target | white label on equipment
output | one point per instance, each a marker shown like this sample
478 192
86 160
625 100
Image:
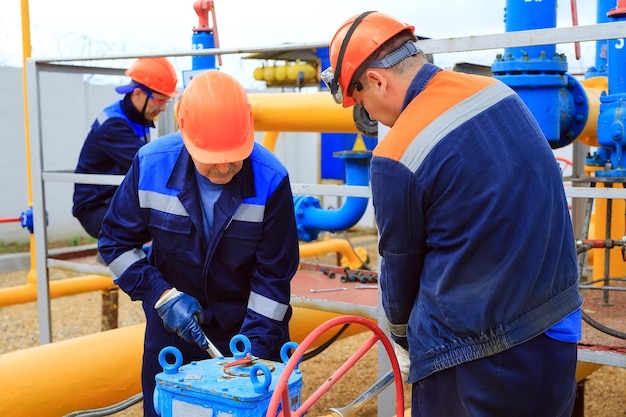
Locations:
183 409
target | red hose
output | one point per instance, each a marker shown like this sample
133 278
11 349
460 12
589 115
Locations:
281 392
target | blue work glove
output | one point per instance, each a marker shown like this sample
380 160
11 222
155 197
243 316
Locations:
182 314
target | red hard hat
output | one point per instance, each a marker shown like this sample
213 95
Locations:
215 119
370 33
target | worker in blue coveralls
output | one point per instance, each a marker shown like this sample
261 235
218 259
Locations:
118 132
478 272
219 210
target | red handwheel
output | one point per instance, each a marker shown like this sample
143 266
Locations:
281 392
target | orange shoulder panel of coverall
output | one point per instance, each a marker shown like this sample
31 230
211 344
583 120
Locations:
444 90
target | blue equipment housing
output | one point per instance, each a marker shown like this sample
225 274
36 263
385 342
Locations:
220 387
611 120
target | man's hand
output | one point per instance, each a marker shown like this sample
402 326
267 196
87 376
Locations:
403 360
182 314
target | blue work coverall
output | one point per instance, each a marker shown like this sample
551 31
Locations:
478 252
240 274
112 142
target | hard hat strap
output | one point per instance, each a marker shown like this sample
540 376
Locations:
334 86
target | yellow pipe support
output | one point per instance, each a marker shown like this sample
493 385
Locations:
83 373
60 288
332 245
269 140
300 112
26 53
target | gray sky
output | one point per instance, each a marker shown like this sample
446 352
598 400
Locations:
86 28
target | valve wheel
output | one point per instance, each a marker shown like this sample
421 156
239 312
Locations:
281 392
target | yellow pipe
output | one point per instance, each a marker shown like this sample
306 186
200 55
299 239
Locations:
68 286
26 53
99 370
332 245
86 372
300 112
593 88
103 369
269 140
87 283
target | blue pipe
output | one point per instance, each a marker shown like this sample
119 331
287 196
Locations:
311 218
202 39
600 67
611 121
539 75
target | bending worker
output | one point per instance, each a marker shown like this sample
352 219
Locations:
478 261
219 210
118 132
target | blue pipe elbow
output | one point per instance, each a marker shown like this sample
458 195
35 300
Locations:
311 218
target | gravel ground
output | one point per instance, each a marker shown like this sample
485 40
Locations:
605 389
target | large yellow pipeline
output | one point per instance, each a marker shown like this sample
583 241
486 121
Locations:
104 368
87 372
300 112
98 370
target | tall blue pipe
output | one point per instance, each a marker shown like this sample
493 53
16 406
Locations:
202 39
600 67
612 118
311 218
538 74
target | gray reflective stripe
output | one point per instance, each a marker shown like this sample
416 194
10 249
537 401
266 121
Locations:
426 140
162 202
102 117
250 213
124 261
398 330
267 307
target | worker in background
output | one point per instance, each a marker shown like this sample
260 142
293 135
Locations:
478 262
118 132
219 210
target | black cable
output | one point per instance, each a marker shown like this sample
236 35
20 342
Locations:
601 327
586 318
107 411
313 353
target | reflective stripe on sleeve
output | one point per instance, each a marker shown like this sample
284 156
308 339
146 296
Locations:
124 261
166 203
267 307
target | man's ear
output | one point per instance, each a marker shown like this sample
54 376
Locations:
137 91
376 79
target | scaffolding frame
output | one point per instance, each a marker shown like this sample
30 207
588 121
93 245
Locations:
36 66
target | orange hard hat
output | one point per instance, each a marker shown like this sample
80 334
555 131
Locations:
215 119
368 31
158 74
